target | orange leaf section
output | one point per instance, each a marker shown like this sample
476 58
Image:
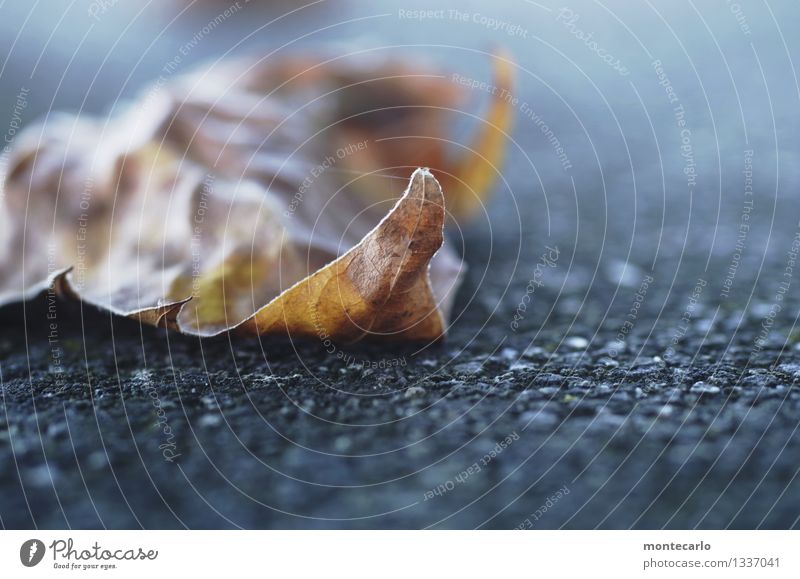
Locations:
470 180
380 288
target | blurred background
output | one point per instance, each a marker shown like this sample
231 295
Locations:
655 144
600 80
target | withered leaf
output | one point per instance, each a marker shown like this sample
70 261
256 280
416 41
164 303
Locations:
380 287
258 197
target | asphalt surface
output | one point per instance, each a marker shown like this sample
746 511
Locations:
643 375
126 426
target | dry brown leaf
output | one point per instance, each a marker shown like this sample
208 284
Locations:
256 197
380 287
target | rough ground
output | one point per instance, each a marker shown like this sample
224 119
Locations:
690 421
271 435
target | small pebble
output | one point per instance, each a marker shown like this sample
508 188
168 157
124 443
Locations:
666 410
576 342
97 460
703 388
342 444
468 367
521 366
509 354
41 476
541 419
209 420
534 352
608 362
415 391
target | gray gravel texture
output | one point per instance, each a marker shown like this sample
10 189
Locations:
274 435
620 385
